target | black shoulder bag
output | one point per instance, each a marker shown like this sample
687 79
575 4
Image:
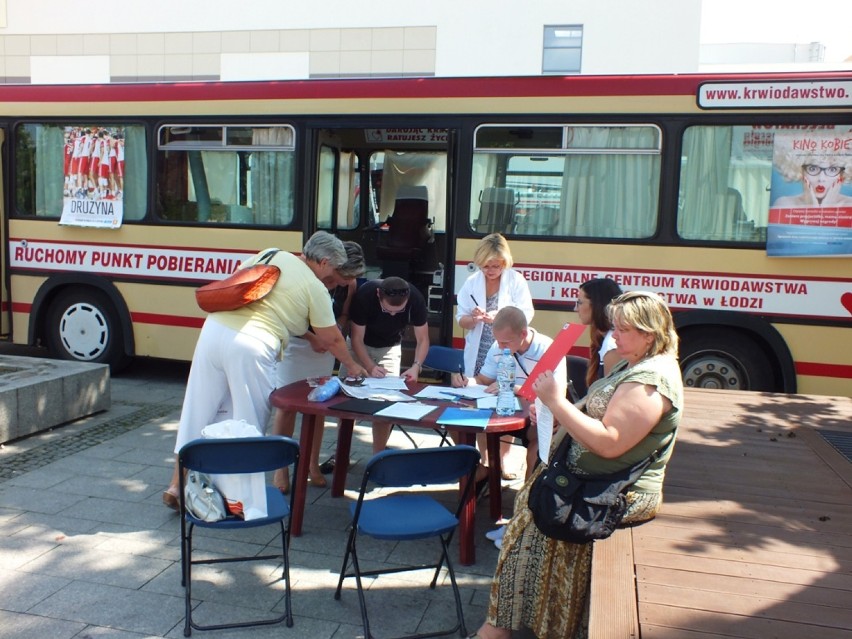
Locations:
580 509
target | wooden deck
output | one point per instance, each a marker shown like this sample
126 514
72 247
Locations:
754 539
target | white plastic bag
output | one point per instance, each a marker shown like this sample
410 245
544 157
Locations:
244 493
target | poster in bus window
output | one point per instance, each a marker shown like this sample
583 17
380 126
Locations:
810 212
94 176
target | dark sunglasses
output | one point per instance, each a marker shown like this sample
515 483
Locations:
395 292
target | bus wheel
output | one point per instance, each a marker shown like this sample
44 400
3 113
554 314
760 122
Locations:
83 325
724 359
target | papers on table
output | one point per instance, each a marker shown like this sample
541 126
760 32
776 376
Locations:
408 410
447 392
476 417
491 402
366 392
394 383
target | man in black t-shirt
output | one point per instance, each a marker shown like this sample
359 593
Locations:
380 312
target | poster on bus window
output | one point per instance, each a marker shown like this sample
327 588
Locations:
92 194
810 211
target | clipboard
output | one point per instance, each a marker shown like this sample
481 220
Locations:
453 416
365 406
563 342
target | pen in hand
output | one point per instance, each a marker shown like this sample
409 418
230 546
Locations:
461 374
474 300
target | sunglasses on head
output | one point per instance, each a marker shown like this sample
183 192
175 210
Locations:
395 292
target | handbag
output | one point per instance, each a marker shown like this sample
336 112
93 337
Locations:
203 499
247 285
580 509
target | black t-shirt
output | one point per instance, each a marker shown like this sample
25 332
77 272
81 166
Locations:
383 329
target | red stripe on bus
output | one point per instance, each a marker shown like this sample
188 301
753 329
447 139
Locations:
624 85
812 369
815 369
167 320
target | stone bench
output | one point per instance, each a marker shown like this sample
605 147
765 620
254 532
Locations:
37 394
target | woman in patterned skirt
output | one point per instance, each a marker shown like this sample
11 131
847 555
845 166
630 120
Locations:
542 583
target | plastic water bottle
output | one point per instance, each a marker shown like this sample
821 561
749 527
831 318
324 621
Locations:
326 391
506 384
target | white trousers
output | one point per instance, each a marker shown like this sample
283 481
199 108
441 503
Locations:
231 377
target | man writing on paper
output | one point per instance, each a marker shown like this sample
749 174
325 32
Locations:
527 345
380 312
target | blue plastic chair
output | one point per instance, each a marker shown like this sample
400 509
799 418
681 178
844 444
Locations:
444 359
233 456
409 515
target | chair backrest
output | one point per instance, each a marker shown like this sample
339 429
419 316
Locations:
421 466
408 227
239 455
497 210
445 359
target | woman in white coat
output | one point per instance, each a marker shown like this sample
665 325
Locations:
494 286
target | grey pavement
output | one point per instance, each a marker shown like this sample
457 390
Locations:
87 550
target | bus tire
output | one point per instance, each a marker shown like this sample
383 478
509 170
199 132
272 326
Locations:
724 359
83 325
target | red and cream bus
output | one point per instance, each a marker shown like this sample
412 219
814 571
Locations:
119 200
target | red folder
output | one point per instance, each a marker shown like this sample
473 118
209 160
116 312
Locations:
563 342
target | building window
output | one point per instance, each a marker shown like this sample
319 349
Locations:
563 48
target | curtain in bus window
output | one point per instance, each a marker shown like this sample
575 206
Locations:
347 191
610 194
707 209
272 179
272 188
716 189
325 188
49 170
135 193
416 169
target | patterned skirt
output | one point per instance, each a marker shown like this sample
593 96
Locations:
542 583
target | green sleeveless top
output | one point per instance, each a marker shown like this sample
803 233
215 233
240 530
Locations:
660 371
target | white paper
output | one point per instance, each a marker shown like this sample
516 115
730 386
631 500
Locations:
491 402
365 392
394 383
544 428
436 392
408 410
476 391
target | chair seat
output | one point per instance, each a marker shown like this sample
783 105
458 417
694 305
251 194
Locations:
277 508
404 517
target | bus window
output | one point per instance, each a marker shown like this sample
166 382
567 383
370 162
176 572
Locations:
48 166
235 174
338 168
569 180
725 180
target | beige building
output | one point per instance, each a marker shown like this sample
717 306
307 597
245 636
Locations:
55 41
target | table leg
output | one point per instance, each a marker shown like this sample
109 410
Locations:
494 475
341 456
300 481
467 522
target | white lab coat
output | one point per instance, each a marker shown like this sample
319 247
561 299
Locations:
514 291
